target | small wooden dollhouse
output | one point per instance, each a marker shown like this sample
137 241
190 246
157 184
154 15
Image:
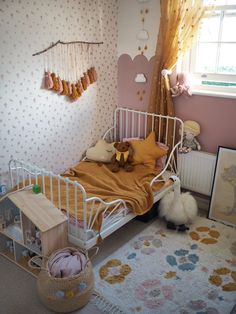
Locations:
30 225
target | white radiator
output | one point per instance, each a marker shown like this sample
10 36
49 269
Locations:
196 171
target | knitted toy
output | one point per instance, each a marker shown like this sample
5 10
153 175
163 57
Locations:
101 152
177 208
182 86
191 130
123 157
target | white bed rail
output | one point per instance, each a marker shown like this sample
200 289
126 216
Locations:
23 174
130 123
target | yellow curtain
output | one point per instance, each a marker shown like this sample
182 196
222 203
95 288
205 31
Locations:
179 23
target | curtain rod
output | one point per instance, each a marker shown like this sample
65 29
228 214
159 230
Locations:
67 43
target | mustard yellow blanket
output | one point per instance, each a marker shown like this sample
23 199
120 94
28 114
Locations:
98 180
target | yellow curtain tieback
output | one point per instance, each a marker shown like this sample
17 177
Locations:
165 72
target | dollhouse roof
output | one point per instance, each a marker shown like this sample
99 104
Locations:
38 209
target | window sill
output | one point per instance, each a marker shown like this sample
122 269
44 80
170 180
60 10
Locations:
213 93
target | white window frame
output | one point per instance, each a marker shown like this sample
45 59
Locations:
211 90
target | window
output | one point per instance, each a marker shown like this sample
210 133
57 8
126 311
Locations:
213 59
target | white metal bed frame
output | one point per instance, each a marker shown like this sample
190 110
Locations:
127 123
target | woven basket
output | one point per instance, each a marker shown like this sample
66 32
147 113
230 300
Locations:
63 295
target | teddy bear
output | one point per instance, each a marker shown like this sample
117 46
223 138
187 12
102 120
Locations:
123 157
191 130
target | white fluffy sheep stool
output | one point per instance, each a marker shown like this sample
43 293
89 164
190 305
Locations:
177 208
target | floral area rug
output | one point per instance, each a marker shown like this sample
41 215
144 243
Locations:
165 271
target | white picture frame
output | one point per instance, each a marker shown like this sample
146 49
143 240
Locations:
223 195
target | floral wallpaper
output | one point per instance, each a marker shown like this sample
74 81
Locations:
37 125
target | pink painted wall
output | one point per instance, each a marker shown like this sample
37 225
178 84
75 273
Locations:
216 116
131 94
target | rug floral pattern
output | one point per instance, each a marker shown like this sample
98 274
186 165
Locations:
163 271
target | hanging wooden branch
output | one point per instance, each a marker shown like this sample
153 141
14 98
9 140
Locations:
67 43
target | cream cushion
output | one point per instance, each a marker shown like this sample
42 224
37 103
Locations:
101 152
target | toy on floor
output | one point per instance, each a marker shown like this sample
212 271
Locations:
191 130
123 157
177 208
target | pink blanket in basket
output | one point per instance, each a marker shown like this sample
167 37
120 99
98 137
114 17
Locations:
66 263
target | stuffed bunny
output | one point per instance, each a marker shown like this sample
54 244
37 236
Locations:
182 85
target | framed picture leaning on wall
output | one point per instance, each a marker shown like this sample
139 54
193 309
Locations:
223 195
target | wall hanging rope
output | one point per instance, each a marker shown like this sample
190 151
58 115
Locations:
69 67
67 43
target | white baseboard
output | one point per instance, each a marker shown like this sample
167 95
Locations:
203 203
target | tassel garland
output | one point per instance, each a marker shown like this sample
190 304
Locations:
65 88
48 80
60 86
79 88
74 63
55 82
74 96
69 88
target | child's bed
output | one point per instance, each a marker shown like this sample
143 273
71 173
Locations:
91 212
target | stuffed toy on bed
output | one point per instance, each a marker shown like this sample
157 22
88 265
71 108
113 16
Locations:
191 130
101 152
123 157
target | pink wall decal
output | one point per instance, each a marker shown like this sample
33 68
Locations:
131 94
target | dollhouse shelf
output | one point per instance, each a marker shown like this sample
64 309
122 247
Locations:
30 225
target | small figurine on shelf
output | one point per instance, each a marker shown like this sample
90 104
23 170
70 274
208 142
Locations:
33 237
17 220
30 239
8 214
37 237
2 222
9 245
191 130
25 254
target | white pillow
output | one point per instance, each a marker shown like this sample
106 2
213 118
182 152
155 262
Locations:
102 151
